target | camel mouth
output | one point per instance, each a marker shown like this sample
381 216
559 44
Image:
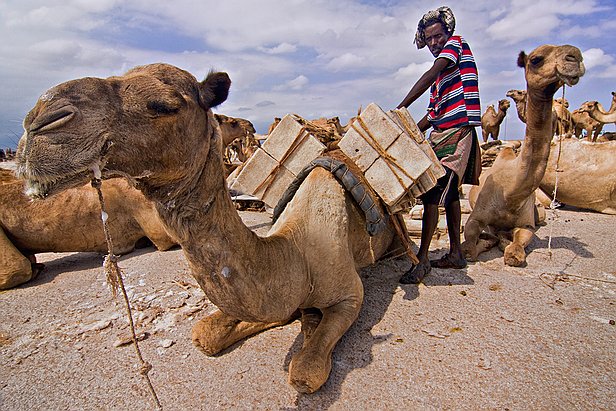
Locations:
37 187
569 80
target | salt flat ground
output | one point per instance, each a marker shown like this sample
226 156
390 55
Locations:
489 336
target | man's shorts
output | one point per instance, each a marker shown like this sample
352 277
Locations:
444 192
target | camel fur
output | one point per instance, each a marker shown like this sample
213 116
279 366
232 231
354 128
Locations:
70 221
492 119
505 199
154 126
586 176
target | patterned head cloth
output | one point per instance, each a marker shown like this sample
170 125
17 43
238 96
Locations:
442 14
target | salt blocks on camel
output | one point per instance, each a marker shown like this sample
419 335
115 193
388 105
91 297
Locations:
285 152
392 152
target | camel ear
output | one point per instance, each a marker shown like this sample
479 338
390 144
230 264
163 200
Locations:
522 59
214 90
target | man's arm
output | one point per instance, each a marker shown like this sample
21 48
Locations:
423 124
425 81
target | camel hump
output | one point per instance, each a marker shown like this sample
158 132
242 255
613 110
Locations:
351 179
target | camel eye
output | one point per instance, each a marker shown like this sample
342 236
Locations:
535 61
162 108
53 120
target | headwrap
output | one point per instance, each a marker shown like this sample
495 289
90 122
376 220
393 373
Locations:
442 14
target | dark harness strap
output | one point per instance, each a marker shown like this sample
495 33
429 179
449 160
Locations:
376 218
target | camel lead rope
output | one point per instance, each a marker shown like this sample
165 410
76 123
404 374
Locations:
115 280
558 170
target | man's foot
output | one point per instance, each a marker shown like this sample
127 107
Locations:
449 261
415 274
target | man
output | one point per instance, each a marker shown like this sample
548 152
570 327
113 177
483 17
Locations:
453 112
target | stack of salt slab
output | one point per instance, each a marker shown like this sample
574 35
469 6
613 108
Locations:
392 152
270 170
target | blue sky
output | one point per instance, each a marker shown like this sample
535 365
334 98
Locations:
314 58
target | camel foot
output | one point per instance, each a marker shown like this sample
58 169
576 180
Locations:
515 255
219 331
210 334
308 371
469 251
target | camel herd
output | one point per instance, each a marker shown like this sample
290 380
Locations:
174 192
585 122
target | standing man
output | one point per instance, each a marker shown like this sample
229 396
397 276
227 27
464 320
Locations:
453 112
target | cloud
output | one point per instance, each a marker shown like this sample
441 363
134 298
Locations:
297 83
595 58
315 58
281 48
529 19
347 61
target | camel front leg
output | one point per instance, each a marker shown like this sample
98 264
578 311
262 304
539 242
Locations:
310 368
475 241
15 268
218 331
515 253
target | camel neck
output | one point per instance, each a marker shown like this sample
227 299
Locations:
533 156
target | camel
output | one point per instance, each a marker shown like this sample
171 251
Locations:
519 98
167 142
505 199
491 120
582 121
70 221
564 123
596 111
586 176
233 129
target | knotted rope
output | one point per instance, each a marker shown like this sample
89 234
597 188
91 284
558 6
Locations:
115 280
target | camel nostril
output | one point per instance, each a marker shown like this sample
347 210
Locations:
571 57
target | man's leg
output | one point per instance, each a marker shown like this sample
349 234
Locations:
428 226
454 218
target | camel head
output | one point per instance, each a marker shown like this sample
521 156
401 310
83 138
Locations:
151 119
588 106
516 95
548 67
503 105
562 101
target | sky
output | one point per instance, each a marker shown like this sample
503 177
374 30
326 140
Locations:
315 58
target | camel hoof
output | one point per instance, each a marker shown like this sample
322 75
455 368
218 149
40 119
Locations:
307 375
515 256
201 338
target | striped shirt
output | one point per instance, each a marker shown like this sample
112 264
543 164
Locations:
454 96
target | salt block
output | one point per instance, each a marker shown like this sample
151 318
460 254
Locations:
392 177
405 121
373 127
263 177
292 145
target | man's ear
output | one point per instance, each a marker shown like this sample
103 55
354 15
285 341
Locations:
214 90
522 59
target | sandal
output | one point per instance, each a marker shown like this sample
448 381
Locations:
447 262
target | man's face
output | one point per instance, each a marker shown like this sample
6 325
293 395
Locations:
436 37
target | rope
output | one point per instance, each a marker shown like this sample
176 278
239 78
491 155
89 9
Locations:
114 279
373 142
558 170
